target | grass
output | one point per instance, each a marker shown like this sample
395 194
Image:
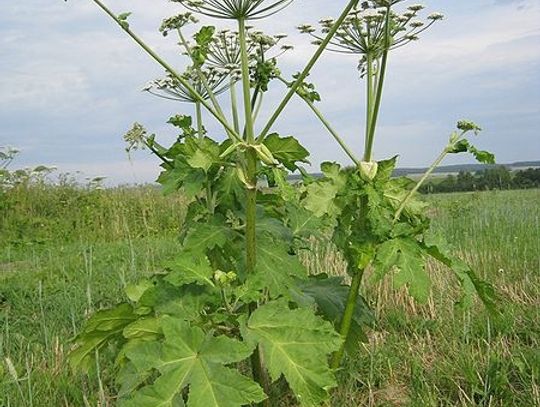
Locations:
65 252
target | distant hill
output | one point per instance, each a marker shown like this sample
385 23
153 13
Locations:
451 169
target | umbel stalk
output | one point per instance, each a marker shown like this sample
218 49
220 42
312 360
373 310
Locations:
373 103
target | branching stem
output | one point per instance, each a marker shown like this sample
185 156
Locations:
426 175
257 365
303 75
327 125
220 118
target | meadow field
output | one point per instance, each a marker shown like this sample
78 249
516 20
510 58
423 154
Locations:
66 252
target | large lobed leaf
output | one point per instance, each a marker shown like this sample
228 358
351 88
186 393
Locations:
407 257
189 357
296 344
276 270
101 328
190 267
287 150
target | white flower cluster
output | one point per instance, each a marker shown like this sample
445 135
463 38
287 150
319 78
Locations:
224 51
236 9
364 30
171 88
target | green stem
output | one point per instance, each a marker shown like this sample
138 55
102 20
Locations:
327 125
199 119
159 155
201 75
346 321
258 107
371 123
307 69
246 88
369 107
380 86
257 366
234 106
413 191
220 118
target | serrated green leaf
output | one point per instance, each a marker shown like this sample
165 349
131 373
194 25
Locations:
201 152
295 344
330 296
230 188
206 236
102 327
385 170
287 150
406 256
482 156
145 328
460 147
380 214
396 191
276 270
333 172
190 267
129 378
189 357
287 191
303 222
320 197
187 301
135 291
203 39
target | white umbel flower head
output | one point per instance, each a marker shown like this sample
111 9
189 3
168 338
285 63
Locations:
236 9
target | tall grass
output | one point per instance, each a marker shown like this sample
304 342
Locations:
67 251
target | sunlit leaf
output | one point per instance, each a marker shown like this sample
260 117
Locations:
287 150
102 327
190 267
406 257
189 357
295 344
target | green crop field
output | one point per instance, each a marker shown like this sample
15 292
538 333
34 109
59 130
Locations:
66 252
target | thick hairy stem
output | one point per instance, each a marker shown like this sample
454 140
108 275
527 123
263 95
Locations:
308 68
354 291
346 321
259 372
219 117
371 123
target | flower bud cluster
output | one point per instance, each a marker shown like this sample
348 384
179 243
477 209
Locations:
177 22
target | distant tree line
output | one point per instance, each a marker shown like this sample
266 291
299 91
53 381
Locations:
499 177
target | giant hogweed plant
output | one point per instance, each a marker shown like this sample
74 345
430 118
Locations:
235 314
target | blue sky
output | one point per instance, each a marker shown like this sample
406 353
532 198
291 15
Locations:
70 84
